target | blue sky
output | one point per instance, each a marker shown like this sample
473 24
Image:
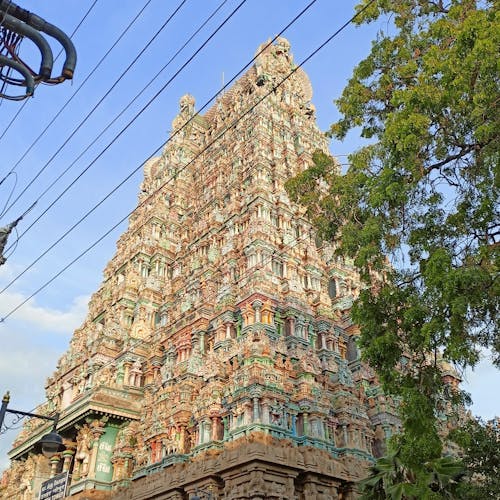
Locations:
34 338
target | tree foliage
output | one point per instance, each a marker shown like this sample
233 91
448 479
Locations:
480 443
390 478
417 209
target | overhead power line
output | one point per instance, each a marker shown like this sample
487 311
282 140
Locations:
188 61
108 126
219 136
91 73
121 183
101 100
300 14
19 111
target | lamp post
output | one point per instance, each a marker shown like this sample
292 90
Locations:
50 443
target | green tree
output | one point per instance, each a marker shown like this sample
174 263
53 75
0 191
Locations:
390 478
417 209
480 443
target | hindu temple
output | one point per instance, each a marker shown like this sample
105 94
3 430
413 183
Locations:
217 359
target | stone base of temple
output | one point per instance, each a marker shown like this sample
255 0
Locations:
257 467
92 495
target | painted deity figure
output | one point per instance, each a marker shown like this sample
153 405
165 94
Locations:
186 104
83 449
167 370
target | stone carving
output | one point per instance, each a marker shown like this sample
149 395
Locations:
203 343
83 449
186 104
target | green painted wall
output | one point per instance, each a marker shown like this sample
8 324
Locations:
103 466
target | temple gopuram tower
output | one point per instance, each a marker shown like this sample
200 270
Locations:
218 355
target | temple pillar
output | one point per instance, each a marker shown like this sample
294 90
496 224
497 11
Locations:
323 429
182 439
97 432
215 428
305 417
156 372
199 434
54 463
247 415
323 340
265 412
257 306
206 430
301 328
278 321
67 455
333 437
342 348
256 416
126 374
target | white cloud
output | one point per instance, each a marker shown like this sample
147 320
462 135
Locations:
480 382
44 318
9 271
28 357
31 345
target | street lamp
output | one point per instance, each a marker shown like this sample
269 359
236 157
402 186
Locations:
50 443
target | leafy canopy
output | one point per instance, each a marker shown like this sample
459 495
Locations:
390 478
480 443
417 209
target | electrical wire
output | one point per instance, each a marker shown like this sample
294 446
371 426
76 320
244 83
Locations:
232 125
90 74
108 126
4 84
121 183
188 61
11 191
77 27
12 121
26 101
101 100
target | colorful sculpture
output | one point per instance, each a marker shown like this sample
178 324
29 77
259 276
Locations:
218 351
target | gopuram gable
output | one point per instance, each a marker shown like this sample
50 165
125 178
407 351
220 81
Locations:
217 357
